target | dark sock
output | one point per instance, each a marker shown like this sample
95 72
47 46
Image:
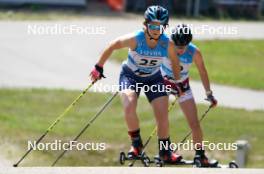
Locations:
199 152
135 138
164 146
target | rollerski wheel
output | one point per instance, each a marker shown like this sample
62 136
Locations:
145 161
197 163
233 164
122 158
143 158
158 162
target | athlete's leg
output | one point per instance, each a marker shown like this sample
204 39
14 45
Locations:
189 108
160 108
159 103
129 101
129 98
190 111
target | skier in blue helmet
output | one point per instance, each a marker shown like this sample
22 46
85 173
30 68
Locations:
148 48
156 14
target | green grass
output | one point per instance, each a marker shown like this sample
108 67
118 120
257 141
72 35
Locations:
230 62
26 114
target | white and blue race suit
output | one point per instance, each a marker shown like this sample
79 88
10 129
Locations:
186 60
142 67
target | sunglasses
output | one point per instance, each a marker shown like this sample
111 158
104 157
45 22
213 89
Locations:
154 27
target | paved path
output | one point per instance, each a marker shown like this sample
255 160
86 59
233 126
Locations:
4 163
64 61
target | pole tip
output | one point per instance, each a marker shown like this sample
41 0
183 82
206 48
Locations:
15 165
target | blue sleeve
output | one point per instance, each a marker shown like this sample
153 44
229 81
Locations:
165 44
192 48
139 36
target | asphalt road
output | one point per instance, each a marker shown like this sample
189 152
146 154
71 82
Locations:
64 60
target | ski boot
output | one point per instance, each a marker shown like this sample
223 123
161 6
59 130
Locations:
170 158
135 153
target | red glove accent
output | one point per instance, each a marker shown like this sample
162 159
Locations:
176 88
212 100
95 75
171 84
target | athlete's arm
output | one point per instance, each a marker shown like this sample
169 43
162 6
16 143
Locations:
175 63
198 60
128 41
121 42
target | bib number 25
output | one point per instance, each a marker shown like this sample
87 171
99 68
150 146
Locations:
146 62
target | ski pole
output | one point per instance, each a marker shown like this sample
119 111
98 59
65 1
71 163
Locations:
55 122
200 120
153 132
86 126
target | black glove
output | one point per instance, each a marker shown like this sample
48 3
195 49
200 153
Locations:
100 70
180 88
211 98
176 86
97 73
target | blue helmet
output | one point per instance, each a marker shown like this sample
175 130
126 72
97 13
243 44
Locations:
157 14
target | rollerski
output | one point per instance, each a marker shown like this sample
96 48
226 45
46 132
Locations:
203 162
160 163
170 158
133 155
136 151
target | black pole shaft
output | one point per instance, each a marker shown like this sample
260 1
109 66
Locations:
54 123
189 133
31 148
86 126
